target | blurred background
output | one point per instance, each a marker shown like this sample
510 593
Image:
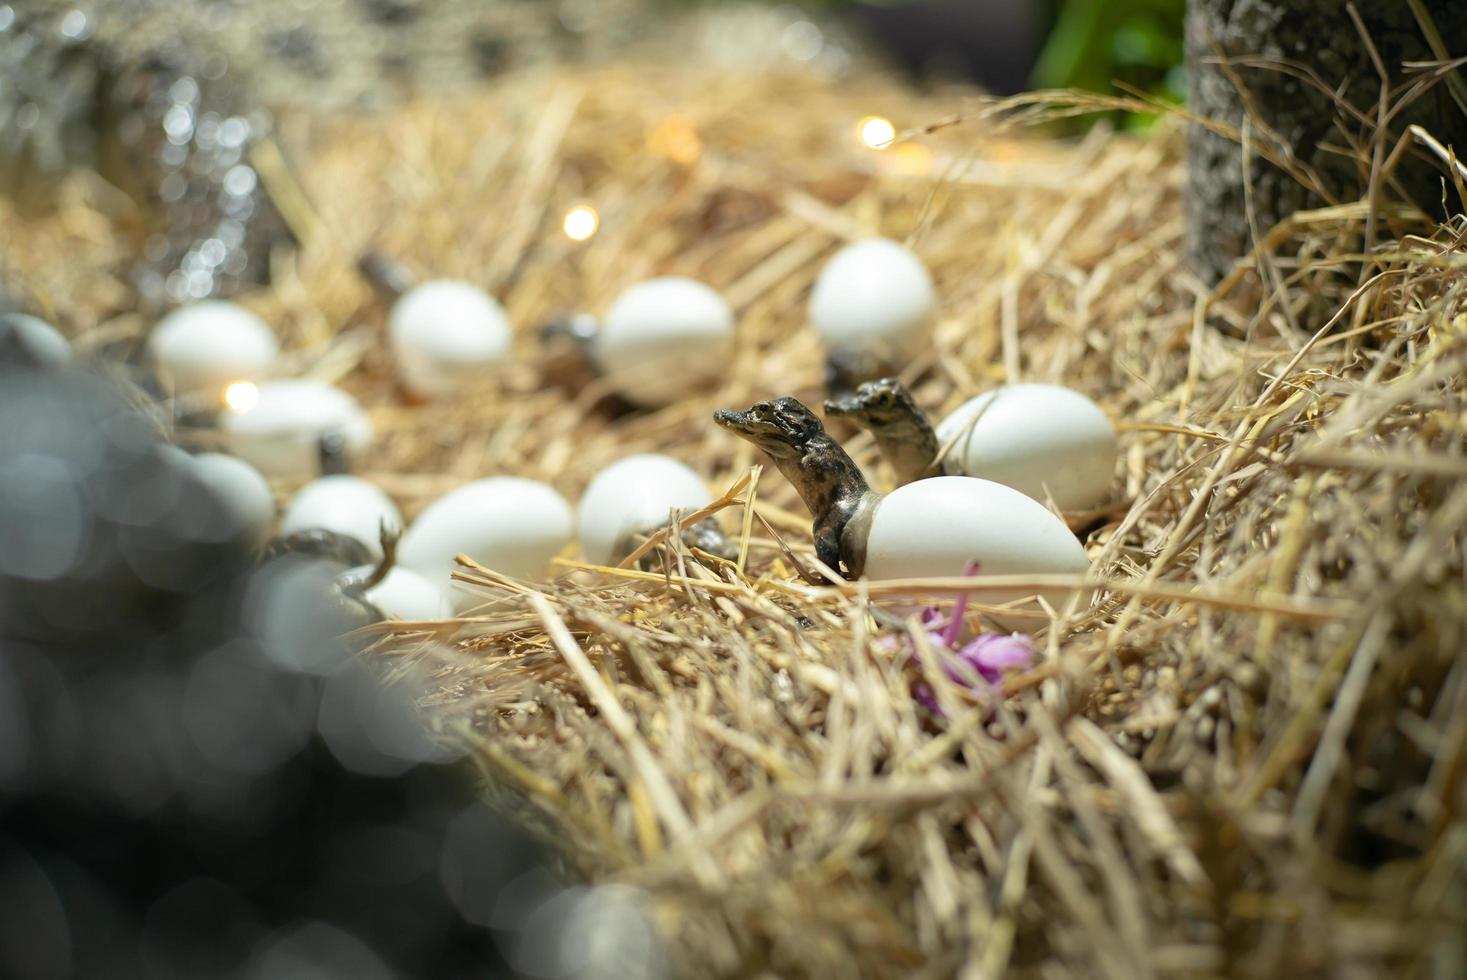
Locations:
166 100
1008 46
193 782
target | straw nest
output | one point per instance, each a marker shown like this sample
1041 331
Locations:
1246 758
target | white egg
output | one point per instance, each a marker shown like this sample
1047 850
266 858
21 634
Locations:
874 297
241 489
204 347
345 504
41 340
281 432
634 496
511 525
404 594
663 339
444 332
935 527
1043 440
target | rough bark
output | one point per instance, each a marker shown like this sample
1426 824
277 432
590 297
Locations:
1297 117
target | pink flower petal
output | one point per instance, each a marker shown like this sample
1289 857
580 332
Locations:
994 654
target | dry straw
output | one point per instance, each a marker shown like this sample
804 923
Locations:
1249 757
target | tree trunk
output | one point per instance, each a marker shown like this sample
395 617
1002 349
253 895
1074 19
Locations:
1293 117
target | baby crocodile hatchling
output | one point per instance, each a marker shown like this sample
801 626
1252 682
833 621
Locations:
827 479
1045 440
904 435
929 528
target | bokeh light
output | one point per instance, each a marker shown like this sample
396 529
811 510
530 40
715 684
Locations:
581 222
242 396
876 132
911 159
676 138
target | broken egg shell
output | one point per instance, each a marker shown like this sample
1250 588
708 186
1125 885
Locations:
634 496
874 297
663 339
204 347
280 434
1046 441
934 528
443 332
509 524
345 504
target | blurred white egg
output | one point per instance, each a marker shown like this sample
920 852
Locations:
345 504
935 527
242 490
404 594
663 339
443 332
1043 440
204 347
874 297
42 341
280 432
511 525
634 496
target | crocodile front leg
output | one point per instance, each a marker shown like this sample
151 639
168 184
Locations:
827 545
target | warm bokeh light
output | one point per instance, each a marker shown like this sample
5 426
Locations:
581 222
677 139
911 159
876 132
242 396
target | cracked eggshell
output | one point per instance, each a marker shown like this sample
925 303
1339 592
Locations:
511 525
443 332
634 496
280 434
932 528
663 339
1042 440
204 347
874 297
406 595
41 340
345 504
